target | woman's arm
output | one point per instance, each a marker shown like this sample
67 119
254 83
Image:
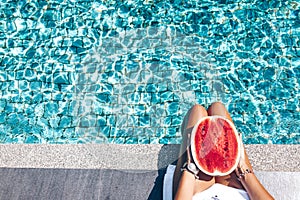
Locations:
186 185
254 188
185 190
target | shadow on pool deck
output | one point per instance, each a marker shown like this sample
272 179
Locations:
116 180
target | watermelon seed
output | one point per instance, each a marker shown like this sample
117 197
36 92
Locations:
203 130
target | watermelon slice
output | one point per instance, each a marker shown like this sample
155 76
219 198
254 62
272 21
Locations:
215 145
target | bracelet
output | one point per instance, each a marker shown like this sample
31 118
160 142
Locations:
191 168
243 174
196 176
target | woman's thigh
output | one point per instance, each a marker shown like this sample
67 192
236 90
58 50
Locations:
191 118
231 180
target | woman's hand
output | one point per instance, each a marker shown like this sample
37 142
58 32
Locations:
244 165
190 163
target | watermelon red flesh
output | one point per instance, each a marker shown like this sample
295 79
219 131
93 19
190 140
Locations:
216 146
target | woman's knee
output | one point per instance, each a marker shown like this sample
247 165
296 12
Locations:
218 108
197 108
217 105
195 113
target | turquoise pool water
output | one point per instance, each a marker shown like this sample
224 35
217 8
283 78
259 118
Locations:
128 71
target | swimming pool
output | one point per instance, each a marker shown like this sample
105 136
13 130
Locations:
127 72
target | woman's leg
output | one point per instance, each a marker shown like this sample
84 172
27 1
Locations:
218 108
191 118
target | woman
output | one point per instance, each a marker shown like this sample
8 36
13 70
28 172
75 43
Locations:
240 184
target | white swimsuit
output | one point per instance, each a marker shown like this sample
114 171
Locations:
221 192
215 192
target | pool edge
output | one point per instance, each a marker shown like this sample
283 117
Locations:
132 157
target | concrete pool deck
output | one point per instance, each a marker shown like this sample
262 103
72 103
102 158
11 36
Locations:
97 171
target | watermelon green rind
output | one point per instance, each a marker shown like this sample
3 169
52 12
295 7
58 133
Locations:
216 154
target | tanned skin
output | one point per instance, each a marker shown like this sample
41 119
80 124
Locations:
185 186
